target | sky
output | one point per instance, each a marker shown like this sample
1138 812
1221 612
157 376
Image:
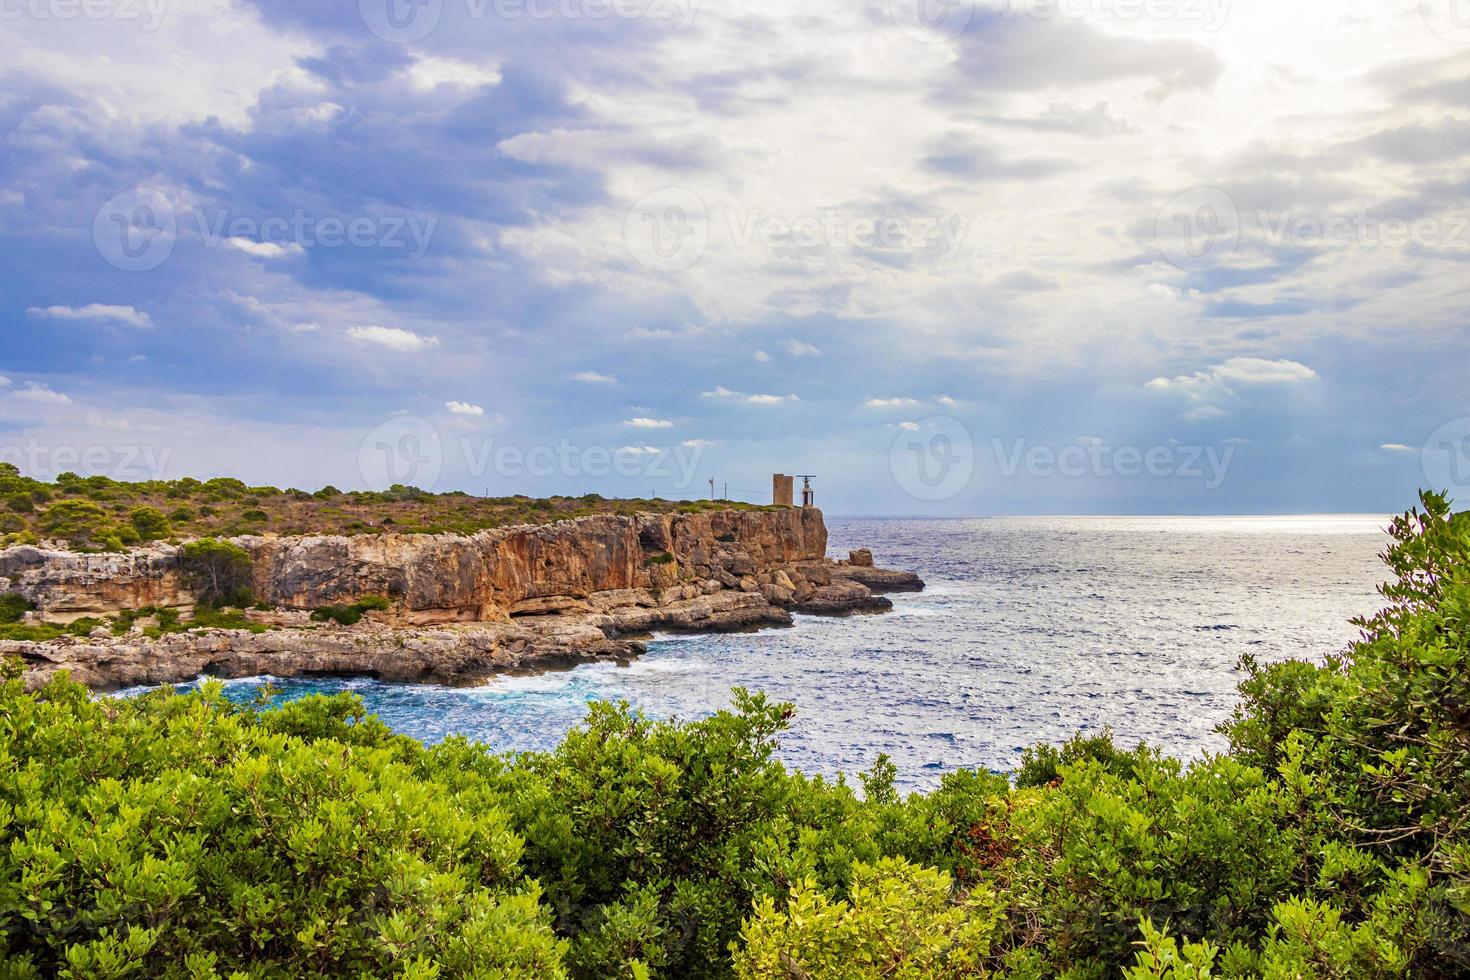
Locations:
1041 256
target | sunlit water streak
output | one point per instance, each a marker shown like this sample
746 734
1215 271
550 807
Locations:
1031 629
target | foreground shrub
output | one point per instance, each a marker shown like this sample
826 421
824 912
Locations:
178 836
898 921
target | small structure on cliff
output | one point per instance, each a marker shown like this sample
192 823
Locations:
782 489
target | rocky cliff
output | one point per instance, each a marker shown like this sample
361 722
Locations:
462 606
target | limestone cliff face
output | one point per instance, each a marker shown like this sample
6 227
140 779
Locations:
492 575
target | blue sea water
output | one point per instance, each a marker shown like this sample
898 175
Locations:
1031 629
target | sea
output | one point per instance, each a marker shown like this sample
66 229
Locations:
1031 629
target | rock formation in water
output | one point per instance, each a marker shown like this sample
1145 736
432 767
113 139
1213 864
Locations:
463 607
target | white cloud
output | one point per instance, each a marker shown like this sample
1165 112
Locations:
800 348
1236 370
41 395
699 443
126 315
1397 447
4 381
761 356
891 402
640 450
264 250
391 337
594 378
464 408
909 426
1203 413
646 423
949 402
722 392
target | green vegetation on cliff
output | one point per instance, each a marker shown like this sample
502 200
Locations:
100 514
183 836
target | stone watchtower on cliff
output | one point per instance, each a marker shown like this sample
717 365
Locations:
783 490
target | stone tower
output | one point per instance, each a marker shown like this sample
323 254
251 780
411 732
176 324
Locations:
783 490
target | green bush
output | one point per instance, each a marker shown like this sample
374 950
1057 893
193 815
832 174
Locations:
80 522
13 606
149 522
218 572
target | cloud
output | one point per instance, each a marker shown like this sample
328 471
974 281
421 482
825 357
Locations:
1004 53
4 381
1203 413
640 450
909 426
699 443
800 348
949 402
642 422
41 395
126 315
594 378
721 391
391 337
264 250
891 402
1397 447
464 408
761 356
1236 370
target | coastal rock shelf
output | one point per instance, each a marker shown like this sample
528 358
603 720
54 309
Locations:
463 607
